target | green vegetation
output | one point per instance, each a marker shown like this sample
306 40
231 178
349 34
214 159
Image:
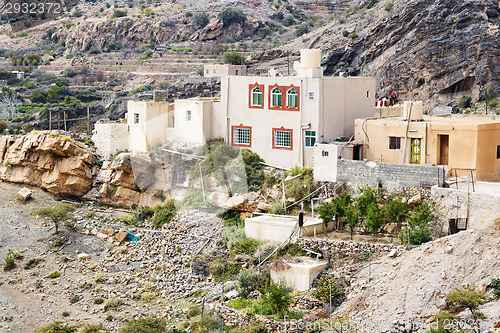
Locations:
10 263
233 58
229 268
389 6
323 287
374 219
231 218
302 30
353 35
467 297
279 297
33 262
418 221
301 186
57 327
65 314
465 102
54 274
93 328
230 16
144 325
57 214
98 300
119 13
495 284
164 214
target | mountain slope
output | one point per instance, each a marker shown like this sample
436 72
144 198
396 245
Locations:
441 49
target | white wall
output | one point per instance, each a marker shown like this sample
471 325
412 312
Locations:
110 138
151 129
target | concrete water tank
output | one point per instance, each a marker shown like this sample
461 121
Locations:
310 58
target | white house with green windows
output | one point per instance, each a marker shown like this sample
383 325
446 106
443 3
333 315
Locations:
281 118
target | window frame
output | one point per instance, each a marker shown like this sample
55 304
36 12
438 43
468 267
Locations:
136 118
251 87
295 95
241 126
393 144
283 96
282 129
312 137
276 91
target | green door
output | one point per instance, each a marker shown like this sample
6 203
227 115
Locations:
415 151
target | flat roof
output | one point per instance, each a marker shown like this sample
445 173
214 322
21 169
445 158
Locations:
449 119
284 220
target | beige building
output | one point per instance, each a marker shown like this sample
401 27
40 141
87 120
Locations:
461 143
112 138
211 70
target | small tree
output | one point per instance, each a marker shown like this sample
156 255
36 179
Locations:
230 16
418 222
279 296
201 19
396 210
367 197
233 58
465 102
144 325
323 287
326 213
351 218
471 299
374 219
340 204
57 214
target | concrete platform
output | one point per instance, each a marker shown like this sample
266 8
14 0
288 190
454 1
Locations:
298 273
278 228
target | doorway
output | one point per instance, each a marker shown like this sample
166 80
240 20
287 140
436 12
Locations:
356 153
444 150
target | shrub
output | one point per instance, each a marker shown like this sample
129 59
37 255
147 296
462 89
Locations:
465 102
441 322
302 30
65 314
389 6
418 221
233 58
164 214
469 298
292 249
374 219
194 311
119 13
495 284
230 16
493 103
10 263
3 126
231 218
247 246
93 328
396 210
254 169
277 208
144 325
231 269
322 288
98 300
113 303
201 19
353 35
351 219
301 186
75 299
367 197
288 21
54 274
279 296
57 327
33 262
326 213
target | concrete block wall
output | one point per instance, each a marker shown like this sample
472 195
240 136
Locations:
391 175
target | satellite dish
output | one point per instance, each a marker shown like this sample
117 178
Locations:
296 66
272 72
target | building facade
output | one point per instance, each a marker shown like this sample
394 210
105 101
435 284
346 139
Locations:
462 144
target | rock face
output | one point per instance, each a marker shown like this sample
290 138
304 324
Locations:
137 32
442 49
59 165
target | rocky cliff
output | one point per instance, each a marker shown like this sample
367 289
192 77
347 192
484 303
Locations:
57 164
441 49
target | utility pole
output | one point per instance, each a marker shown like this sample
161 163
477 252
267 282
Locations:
222 295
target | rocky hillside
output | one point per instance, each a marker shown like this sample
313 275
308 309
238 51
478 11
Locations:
441 49
57 164
408 290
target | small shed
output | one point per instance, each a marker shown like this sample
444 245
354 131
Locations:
298 273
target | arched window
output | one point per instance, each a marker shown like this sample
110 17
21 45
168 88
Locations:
276 97
292 98
256 97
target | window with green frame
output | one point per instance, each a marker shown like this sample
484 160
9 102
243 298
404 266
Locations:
276 96
309 138
292 98
256 97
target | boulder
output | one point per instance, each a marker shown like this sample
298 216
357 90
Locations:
121 236
393 254
264 206
415 200
241 203
24 194
83 256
